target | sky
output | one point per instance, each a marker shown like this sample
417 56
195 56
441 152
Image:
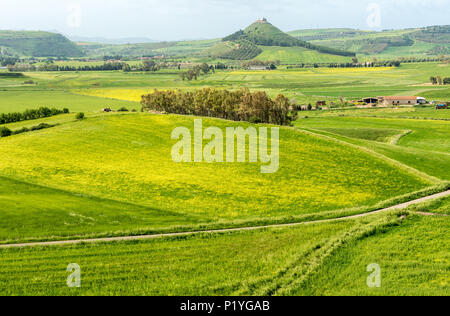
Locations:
203 19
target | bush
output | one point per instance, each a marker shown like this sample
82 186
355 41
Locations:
5 132
66 111
29 115
80 116
122 109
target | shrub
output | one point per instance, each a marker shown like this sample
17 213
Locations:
122 109
29 115
80 116
66 111
5 132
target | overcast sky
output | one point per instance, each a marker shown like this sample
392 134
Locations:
196 19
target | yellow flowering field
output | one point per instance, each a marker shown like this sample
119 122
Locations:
127 158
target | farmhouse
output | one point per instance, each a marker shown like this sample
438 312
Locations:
397 100
257 68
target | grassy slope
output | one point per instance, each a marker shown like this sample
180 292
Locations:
31 212
424 148
19 101
298 55
39 44
414 260
248 262
359 41
127 158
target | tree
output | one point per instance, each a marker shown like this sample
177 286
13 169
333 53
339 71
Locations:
433 80
439 80
80 116
126 67
149 65
205 68
5 132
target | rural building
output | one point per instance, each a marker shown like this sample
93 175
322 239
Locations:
421 100
369 100
321 103
257 68
397 100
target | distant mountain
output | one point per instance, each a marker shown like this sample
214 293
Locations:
112 41
37 44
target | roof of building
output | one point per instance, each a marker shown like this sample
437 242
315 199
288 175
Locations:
399 98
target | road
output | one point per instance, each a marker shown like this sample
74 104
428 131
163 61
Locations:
145 237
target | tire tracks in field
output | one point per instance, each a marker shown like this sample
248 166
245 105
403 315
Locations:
225 230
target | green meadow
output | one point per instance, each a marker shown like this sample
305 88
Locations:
112 174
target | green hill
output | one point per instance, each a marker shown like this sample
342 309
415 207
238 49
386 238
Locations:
37 44
427 41
263 33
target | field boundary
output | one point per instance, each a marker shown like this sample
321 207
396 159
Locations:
225 230
393 162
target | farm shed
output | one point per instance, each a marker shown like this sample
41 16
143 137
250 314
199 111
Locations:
257 68
397 100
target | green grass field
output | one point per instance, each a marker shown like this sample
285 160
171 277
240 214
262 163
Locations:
413 258
255 262
298 55
127 159
113 175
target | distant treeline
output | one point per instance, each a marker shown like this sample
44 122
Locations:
42 112
6 132
53 67
239 105
348 65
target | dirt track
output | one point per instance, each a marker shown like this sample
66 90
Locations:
143 237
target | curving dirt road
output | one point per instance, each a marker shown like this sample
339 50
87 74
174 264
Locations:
143 237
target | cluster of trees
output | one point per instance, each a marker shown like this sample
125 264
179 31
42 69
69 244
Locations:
348 65
6 118
327 50
239 105
6 132
5 61
438 80
194 73
413 59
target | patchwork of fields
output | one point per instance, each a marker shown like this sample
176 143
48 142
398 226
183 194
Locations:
113 175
